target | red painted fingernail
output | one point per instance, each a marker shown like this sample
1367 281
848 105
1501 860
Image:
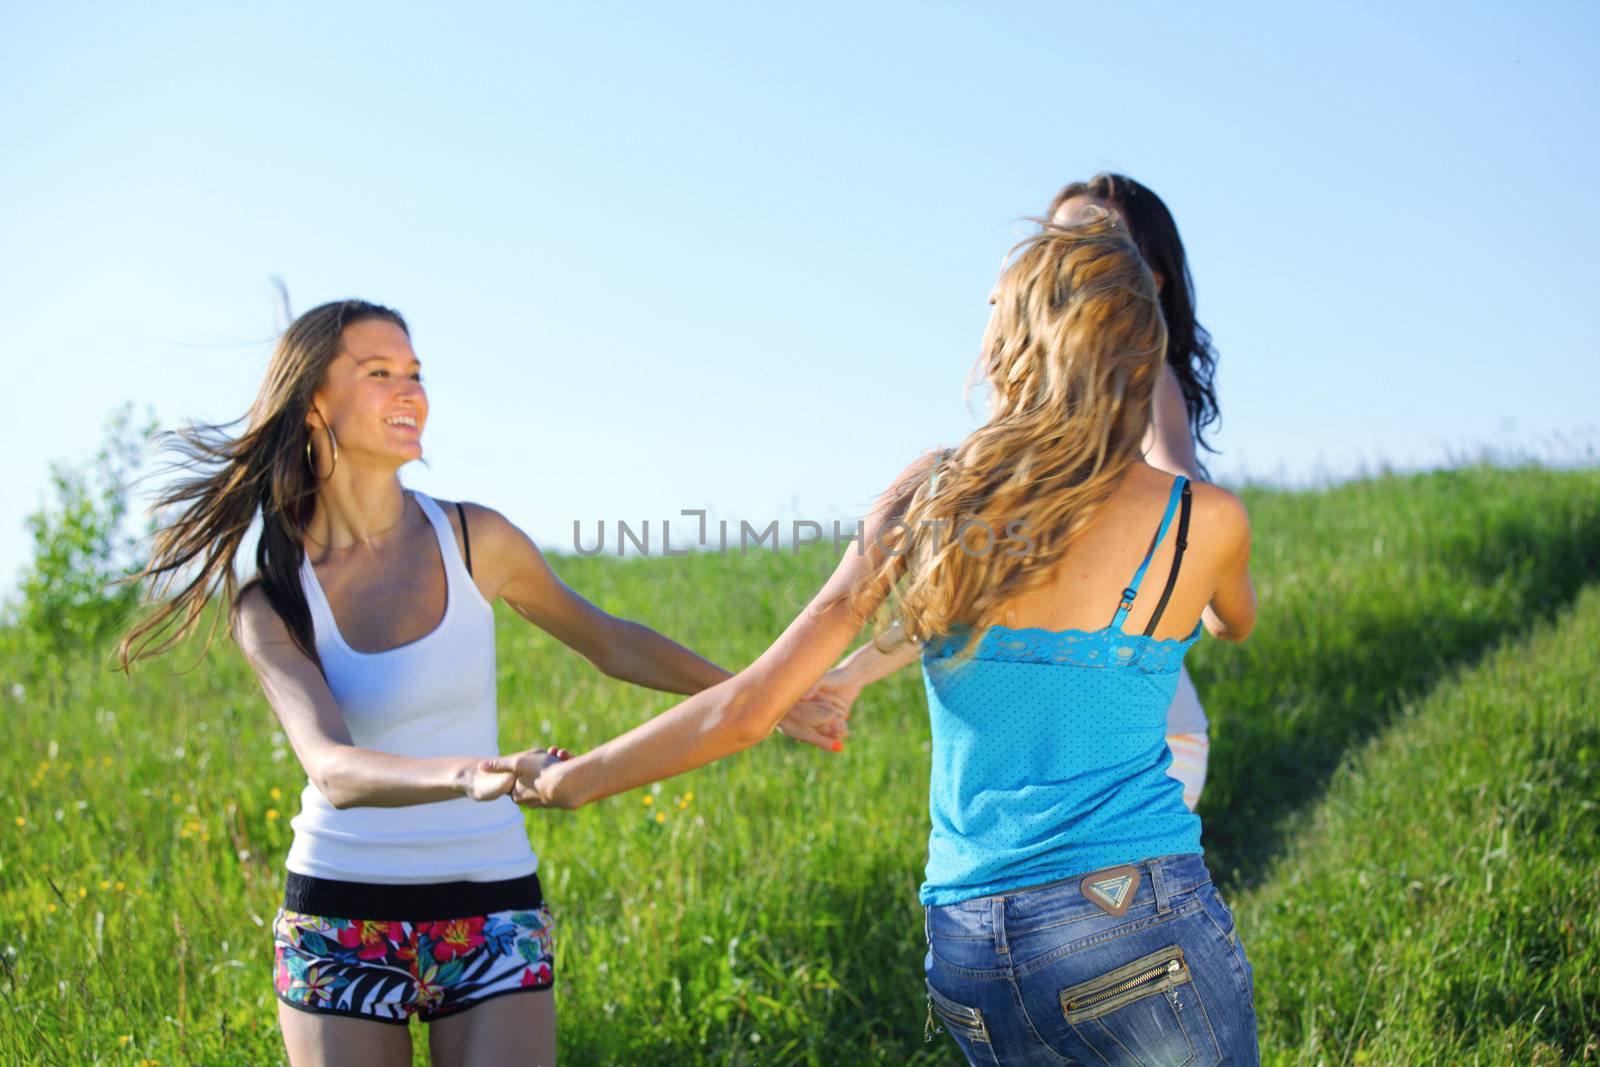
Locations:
838 746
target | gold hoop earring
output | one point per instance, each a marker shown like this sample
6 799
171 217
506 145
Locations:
311 461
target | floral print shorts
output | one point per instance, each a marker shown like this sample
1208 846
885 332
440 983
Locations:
390 971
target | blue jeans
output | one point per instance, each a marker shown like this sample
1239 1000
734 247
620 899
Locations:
1044 976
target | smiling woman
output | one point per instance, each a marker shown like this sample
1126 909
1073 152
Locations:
411 885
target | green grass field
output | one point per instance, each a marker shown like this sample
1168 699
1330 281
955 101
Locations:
1403 809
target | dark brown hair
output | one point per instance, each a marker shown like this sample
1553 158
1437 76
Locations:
1189 350
232 479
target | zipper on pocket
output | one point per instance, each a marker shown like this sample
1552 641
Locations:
1171 968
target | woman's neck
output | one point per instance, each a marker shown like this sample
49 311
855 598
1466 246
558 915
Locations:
356 510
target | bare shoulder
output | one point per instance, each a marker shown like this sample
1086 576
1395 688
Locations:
487 527
256 622
1223 512
502 554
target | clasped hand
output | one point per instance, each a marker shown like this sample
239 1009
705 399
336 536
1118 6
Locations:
516 775
821 719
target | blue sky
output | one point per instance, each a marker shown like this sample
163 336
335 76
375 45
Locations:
736 257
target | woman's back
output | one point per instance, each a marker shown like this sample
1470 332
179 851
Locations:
1096 567
1049 741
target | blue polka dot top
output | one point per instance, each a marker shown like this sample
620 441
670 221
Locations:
1049 748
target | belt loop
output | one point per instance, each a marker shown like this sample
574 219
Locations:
997 919
1158 883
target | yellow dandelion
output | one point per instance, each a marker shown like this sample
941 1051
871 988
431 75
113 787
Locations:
661 816
124 1039
21 821
105 761
83 891
272 814
275 793
205 837
648 799
51 908
177 798
120 887
105 884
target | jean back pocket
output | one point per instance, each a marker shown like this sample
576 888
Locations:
968 1022
1138 1009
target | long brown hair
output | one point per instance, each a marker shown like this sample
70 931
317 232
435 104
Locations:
1071 353
263 470
1189 350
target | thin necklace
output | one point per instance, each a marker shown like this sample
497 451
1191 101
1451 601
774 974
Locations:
370 536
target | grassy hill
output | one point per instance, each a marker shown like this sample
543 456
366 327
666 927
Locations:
1402 809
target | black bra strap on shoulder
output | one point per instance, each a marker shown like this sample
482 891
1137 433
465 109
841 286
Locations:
466 542
1177 561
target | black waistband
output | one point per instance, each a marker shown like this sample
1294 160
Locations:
415 902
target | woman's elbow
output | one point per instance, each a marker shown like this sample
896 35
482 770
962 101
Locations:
747 720
1234 627
338 796
1239 633
329 778
1233 631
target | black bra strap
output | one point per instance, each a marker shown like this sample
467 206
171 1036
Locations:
1177 560
466 542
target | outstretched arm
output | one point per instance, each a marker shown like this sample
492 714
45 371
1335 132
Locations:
872 662
514 570
737 713
517 572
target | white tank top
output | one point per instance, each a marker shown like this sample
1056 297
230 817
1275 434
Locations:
1186 716
432 697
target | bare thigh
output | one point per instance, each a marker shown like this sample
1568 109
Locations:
340 1041
519 1028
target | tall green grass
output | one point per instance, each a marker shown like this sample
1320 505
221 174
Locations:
764 910
1441 903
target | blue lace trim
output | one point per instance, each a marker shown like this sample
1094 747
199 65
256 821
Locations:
1072 648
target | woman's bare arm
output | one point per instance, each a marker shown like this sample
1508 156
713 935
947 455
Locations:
872 662
348 775
1231 614
516 572
620 648
735 714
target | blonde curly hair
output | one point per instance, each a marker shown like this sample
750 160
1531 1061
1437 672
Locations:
1071 353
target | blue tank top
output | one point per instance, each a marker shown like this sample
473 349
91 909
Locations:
1049 749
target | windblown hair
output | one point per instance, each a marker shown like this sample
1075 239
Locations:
262 471
1189 351
1071 354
